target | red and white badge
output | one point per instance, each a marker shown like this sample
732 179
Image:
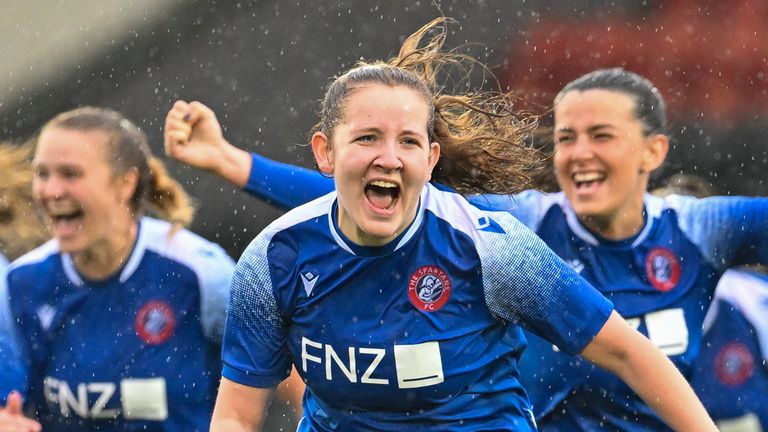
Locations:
429 288
734 364
155 322
662 267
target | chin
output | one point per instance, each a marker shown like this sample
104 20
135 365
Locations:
381 232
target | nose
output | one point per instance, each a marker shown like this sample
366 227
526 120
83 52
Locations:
581 148
50 187
388 158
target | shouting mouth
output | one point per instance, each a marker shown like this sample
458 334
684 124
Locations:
382 194
587 181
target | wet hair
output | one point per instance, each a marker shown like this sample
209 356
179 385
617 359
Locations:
650 108
484 143
127 149
20 228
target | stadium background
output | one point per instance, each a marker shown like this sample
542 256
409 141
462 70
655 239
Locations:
263 66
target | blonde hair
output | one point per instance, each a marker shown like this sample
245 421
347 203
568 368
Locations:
20 227
128 149
485 145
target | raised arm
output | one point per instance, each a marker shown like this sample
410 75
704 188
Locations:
633 358
193 136
239 407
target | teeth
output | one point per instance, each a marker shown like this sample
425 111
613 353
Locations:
587 177
384 184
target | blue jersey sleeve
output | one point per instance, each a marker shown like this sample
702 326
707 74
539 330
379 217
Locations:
729 231
13 374
528 284
255 350
283 185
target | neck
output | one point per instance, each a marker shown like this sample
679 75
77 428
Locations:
616 227
106 257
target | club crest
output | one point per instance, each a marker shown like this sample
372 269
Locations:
429 288
734 364
662 268
155 322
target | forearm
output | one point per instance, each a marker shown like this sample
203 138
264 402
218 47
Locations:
642 366
234 165
239 407
231 425
661 386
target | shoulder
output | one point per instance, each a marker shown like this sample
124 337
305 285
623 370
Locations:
184 247
476 222
529 206
34 259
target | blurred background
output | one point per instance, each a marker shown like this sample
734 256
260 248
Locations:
263 66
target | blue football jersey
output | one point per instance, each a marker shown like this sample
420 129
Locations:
731 373
661 280
137 351
418 334
12 371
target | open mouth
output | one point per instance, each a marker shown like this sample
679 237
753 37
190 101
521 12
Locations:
66 220
382 194
585 180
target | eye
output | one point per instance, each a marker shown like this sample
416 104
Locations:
41 173
602 136
564 139
365 138
70 173
411 141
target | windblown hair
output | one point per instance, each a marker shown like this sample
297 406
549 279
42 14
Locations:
20 228
128 149
485 145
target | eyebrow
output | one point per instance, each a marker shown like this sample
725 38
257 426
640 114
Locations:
591 129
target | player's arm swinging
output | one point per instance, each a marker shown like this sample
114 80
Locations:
641 365
240 407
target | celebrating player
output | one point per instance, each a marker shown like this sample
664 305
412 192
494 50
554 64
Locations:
119 318
398 301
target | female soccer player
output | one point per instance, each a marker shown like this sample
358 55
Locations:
399 301
657 259
120 317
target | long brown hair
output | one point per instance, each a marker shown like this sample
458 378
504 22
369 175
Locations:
485 145
20 228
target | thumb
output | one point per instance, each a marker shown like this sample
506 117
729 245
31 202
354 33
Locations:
14 405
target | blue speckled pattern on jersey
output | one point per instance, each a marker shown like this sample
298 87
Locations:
137 351
375 356
661 280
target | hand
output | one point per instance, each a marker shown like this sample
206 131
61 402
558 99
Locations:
193 136
12 417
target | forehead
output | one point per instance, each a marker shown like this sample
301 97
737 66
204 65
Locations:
61 145
375 102
595 106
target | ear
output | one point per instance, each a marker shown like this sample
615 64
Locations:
655 153
323 151
434 156
127 183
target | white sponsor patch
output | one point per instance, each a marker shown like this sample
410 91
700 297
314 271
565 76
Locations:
418 365
144 399
668 331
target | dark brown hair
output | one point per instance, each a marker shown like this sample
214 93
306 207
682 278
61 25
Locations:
485 145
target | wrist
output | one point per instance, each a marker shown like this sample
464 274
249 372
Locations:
234 165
